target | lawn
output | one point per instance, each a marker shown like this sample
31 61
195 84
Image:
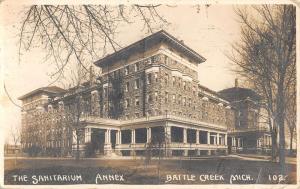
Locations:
205 171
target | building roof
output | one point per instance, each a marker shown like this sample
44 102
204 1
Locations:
50 90
212 93
148 42
239 93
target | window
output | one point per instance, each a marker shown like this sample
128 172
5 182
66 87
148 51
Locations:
174 80
127 103
149 78
184 85
184 101
127 87
174 98
179 99
156 96
190 102
137 84
149 98
156 77
194 90
166 78
137 101
136 66
166 97
126 70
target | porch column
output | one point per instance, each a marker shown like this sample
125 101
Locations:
132 151
225 140
218 138
117 137
184 135
87 135
107 145
74 141
118 142
197 136
107 136
133 136
168 133
148 135
208 137
120 137
168 140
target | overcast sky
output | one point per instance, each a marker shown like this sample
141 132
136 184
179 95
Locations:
209 32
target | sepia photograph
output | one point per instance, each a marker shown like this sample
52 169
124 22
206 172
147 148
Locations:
155 93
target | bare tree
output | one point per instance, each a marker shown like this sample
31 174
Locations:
266 56
158 147
291 111
16 137
85 32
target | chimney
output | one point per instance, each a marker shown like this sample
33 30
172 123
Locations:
236 82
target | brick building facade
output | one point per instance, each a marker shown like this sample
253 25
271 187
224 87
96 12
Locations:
250 133
146 90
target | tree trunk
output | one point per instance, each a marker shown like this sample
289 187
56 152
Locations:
77 145
291 141
15 155
274 145
280 122
273 130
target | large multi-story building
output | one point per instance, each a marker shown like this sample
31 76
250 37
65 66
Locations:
250 133
147 97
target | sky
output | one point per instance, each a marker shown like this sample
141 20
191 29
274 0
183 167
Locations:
209 32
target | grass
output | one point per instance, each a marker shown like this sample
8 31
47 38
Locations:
135 172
